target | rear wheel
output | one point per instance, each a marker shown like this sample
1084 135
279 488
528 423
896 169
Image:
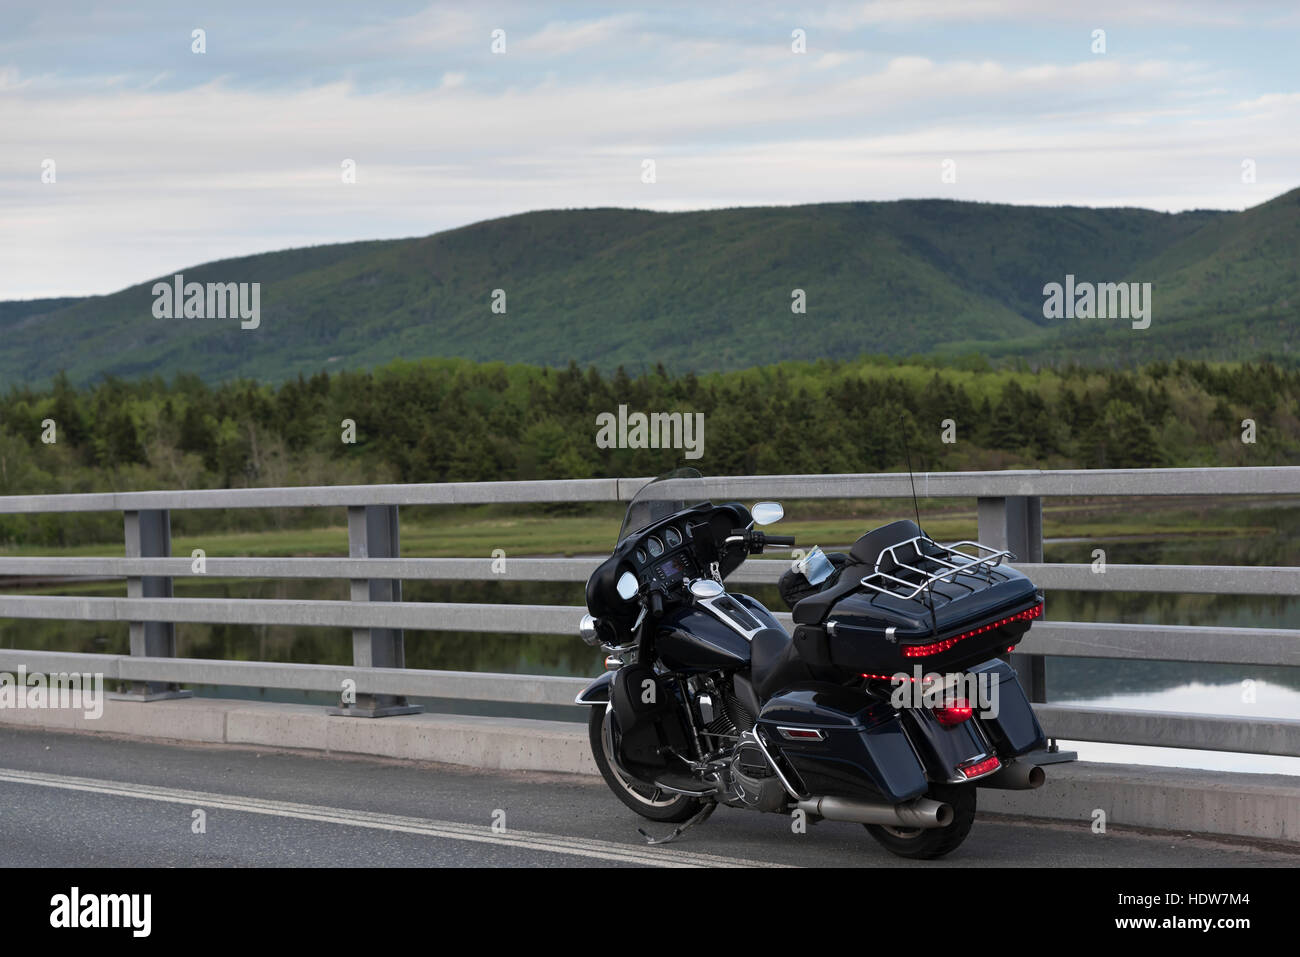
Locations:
927 843
647 800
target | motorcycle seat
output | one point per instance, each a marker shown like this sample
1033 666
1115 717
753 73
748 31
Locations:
813 609
863 557
775 663
866 550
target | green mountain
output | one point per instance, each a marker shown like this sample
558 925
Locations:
1228 290
703 290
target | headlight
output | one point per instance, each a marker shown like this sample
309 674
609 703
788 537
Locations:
587 630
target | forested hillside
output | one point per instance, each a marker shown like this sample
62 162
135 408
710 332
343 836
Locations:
446 420
705 291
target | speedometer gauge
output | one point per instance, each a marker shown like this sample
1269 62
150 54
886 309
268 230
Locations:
655 546
672 537
640 556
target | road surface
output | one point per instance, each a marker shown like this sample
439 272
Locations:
78 800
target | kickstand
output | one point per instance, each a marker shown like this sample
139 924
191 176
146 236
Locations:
701 815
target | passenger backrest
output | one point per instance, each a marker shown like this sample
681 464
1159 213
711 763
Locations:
866 550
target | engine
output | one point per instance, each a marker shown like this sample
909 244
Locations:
745 777
750 781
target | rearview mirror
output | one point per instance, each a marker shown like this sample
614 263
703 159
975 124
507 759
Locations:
627 586
765 513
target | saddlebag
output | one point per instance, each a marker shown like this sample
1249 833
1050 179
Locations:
1014 729
839 743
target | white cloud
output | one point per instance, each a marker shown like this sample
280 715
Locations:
157 176
1101 12
564 37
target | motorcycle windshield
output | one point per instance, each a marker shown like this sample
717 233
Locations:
664 496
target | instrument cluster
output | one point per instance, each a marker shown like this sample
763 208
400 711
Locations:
663 554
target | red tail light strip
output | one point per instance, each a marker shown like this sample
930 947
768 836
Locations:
891 678
981 768
922 651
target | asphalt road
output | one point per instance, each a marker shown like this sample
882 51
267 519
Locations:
95 801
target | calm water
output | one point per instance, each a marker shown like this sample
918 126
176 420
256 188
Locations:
1211 689
1184 687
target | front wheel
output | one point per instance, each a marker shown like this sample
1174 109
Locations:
927 843
647 800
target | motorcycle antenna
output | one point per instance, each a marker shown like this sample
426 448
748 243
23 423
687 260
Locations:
916 510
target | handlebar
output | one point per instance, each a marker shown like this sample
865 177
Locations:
755 541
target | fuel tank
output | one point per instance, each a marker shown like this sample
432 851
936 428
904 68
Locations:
690 639
703 638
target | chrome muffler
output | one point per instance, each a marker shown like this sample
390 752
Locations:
1021 776
919 812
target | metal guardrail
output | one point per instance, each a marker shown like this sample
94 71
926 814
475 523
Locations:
1009 509
1268 480
1183 579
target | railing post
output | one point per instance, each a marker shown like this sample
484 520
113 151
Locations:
149 535
373 533
1016 524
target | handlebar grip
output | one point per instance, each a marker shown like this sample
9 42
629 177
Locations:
778 539
656 603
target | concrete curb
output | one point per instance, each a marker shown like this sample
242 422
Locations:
522 744
1261 806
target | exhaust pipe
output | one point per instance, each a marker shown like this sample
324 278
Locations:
1021 776
920 812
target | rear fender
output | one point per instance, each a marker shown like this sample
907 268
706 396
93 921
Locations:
1007 729
944 750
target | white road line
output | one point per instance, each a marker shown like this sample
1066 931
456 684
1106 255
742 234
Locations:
449 830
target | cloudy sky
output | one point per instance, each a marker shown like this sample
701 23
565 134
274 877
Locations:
164 158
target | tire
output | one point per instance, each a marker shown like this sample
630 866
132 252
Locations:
647 800
929 843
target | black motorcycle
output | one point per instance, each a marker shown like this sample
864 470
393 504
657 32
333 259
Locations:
888 706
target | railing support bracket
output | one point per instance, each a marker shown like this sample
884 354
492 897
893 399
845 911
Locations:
373 533
149 535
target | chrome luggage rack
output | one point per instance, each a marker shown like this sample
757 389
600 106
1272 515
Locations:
956 562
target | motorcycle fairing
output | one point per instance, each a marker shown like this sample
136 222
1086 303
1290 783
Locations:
649 719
